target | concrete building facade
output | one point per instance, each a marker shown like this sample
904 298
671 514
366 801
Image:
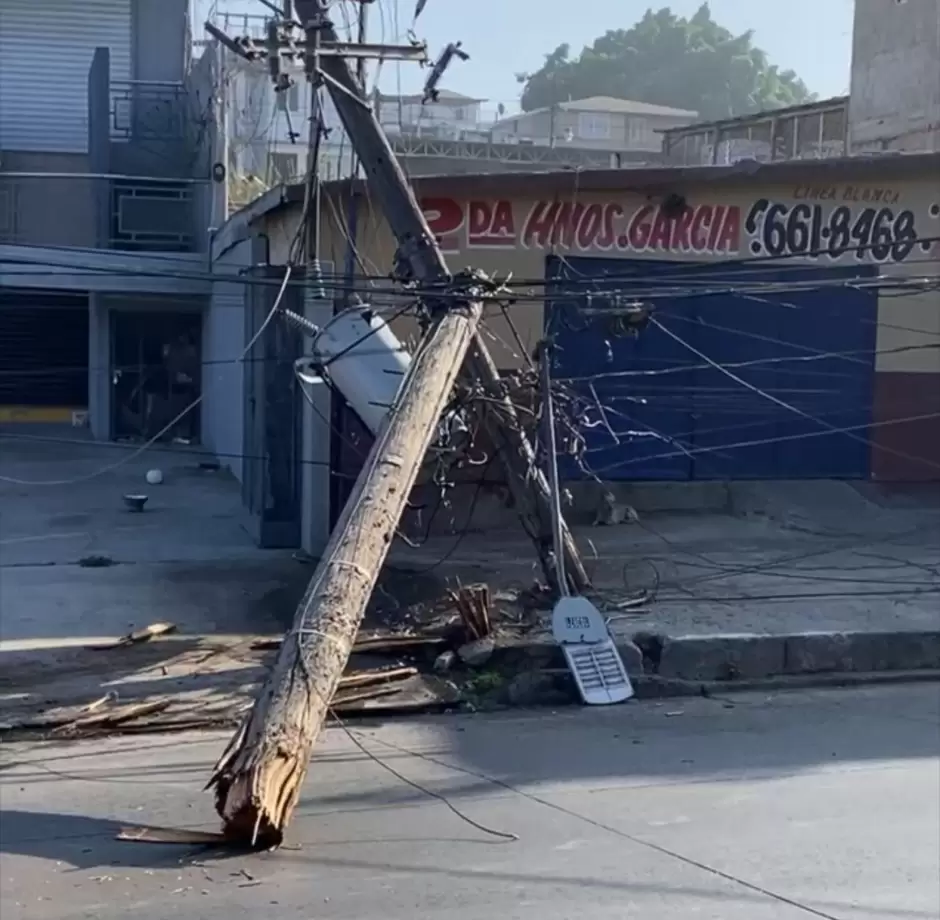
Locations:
106 199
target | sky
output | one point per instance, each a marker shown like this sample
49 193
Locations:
505 37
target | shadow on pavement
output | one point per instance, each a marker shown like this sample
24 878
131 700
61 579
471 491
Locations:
87 843
750 737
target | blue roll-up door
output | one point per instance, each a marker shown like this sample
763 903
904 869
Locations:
729 383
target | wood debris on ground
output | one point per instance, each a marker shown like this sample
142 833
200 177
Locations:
376 644
171 835
153 631
162 682
473 605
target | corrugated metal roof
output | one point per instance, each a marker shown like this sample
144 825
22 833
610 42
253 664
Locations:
877 168
611 104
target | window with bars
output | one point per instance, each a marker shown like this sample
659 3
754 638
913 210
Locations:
639 131
594 126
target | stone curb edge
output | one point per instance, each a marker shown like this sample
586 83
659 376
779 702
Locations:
734 660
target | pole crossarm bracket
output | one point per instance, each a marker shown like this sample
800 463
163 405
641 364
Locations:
295 49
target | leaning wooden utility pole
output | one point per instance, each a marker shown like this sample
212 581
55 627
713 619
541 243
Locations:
257 780
421 257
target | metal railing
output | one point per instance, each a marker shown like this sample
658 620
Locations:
151 110
238 23
813 131
130 213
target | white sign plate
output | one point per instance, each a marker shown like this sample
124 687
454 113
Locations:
577 620
581 630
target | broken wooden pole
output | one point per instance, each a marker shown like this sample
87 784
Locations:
257 780
420 250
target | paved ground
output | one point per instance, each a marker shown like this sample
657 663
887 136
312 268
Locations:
794 560
859 564
757 807
187 558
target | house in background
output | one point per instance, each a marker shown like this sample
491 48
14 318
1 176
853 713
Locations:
267 131
107 143
452 116
599 123
816 130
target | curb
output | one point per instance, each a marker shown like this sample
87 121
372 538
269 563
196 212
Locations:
735 660
533 689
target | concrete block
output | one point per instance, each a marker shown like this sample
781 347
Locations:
477 653
820 653
904 650
728 657
632 657
538 688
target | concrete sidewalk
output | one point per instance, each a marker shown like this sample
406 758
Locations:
783 582
78 570
77 566
794 581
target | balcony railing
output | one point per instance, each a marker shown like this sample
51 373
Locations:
816 130
152 216
129 213
150 111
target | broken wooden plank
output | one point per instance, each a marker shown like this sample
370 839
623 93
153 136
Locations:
117 717
380 676
395 643
343 700
153 631
177 836
380 643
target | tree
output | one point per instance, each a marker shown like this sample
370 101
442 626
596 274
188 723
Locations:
669 60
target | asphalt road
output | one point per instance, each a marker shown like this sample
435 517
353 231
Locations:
783 806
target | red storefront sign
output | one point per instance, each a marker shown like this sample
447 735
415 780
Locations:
703 229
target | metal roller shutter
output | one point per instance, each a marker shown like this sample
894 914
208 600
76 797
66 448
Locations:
43 349
671 414
46 50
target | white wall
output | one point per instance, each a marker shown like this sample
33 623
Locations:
895 92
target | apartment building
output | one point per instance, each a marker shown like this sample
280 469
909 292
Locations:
107 193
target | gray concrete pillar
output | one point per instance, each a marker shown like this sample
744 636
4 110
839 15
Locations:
99 368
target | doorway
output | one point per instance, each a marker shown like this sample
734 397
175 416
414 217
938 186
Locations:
156 371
